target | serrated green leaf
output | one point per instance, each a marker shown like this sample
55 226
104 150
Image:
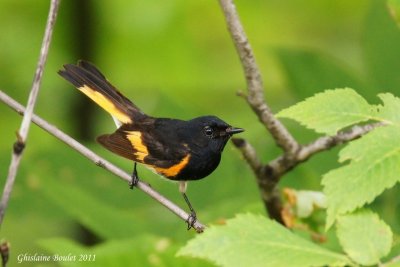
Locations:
252 240
364 237
330 111
390 112
374 167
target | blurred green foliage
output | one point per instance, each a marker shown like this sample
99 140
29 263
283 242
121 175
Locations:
173 59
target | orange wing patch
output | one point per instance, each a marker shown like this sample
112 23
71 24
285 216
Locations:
105 103
174 169
135 138
141 151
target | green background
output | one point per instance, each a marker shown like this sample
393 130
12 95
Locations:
173 59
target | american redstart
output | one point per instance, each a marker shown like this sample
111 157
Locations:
176 149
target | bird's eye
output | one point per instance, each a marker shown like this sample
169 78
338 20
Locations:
208 131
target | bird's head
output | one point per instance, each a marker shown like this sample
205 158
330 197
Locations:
211 132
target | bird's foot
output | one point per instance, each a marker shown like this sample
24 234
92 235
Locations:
191 220
134 181
135 178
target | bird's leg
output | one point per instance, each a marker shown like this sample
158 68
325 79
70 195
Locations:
192 216
135 178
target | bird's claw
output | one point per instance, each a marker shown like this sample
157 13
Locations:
133 182
135 178
191 220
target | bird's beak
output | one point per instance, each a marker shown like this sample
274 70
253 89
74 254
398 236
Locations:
233 130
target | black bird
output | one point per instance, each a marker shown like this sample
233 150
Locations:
176 149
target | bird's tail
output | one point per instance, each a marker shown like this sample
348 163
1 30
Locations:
90 81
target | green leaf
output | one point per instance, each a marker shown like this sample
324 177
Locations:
389 113
364 237
374 167
330 111
251 240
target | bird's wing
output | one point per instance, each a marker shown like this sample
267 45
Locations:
146 147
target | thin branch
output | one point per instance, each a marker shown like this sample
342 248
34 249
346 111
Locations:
283 164
26 121
327 142
254 81
100 161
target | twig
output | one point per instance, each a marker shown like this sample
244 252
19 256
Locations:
327 142
267 183
283 164
254 81
26 121
199 227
